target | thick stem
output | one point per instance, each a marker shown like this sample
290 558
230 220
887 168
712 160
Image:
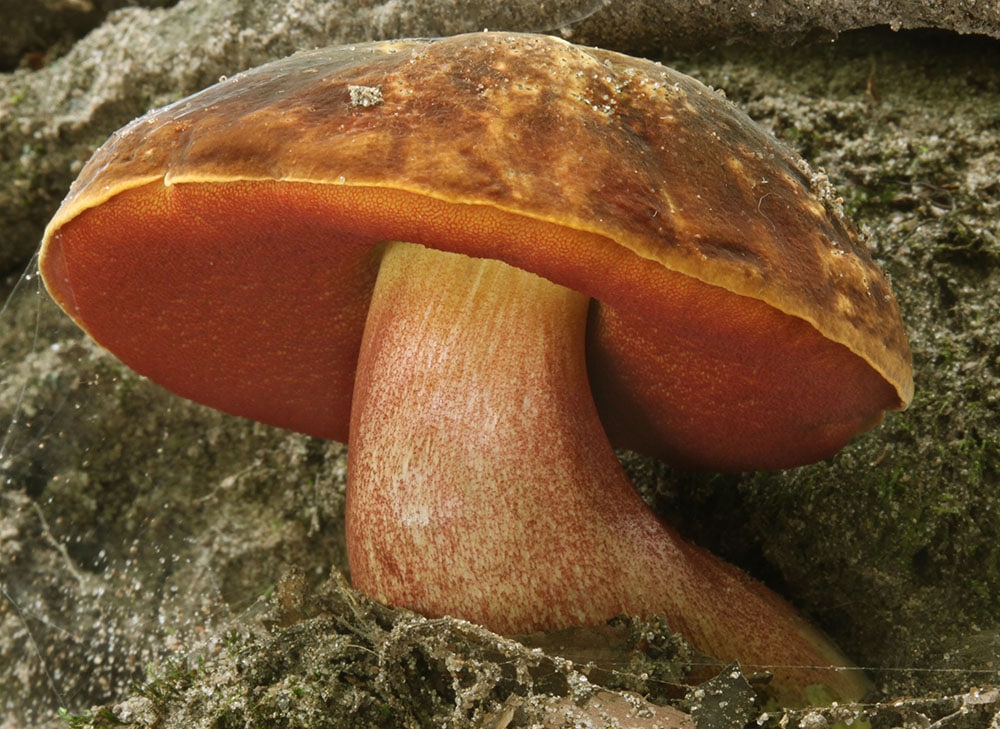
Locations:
482 484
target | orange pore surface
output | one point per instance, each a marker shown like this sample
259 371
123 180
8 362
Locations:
251 297
724 382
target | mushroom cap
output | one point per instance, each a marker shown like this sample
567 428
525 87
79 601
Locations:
226 245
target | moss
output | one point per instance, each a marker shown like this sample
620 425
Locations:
328 657
99 719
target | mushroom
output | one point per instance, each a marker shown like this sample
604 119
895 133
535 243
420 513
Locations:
481 260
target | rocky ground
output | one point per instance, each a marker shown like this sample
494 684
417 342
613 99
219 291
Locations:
165 565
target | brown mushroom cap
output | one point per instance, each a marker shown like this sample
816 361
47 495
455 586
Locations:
226 245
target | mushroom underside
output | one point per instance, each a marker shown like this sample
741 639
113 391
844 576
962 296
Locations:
218 310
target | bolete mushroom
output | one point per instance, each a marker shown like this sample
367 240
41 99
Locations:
445 253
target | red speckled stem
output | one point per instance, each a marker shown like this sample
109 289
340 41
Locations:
482 484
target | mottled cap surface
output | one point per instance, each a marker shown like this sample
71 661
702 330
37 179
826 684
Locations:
643 166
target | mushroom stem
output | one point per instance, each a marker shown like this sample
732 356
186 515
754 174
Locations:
476 488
